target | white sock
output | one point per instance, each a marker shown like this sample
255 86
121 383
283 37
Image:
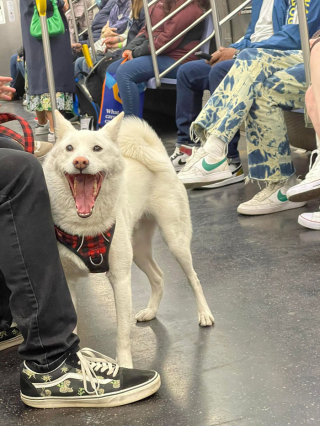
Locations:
215 147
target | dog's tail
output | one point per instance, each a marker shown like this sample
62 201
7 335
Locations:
139 141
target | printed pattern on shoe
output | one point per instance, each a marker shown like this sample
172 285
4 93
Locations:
10 337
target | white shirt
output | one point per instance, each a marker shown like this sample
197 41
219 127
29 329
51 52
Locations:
264 26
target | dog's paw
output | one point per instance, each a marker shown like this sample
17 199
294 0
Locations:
206 319
145 315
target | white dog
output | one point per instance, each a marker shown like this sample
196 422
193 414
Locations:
119 175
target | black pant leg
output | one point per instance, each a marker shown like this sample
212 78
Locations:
5 312
40 300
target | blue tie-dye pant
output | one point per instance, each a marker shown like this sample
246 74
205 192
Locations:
261 83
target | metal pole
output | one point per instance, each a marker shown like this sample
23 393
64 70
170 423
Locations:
216 23
91 42
73 16
48 62
151 42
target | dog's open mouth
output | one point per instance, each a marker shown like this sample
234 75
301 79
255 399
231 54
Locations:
85 190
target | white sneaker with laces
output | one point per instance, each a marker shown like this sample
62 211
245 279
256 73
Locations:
51 137
42 129
204 169
310 220
237 176
41 149
179 159
309 188
271 199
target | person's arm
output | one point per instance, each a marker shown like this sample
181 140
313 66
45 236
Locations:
5 90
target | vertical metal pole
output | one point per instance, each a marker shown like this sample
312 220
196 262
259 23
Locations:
91 42
74 21
304 35
48 62
216 23
151 43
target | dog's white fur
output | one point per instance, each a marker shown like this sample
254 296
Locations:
140 191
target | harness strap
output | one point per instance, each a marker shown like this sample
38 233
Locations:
27 140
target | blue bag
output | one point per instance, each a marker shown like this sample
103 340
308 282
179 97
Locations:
111 104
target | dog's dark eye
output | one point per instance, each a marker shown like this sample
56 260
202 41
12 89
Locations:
69 148
97 148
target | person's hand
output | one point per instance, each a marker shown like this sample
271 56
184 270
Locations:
5 90
127 54
223 54
109 32
66 6
76 46
110 41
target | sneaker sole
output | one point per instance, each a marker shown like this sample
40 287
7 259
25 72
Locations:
308 192
12 342
192 185
112 400
42 132
225 182
250 212
308 223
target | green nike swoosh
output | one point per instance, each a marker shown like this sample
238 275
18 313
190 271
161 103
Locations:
210 167
281 197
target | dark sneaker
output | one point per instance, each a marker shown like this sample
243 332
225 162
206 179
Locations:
86 379
9 338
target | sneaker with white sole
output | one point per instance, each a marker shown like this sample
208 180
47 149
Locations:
178 158
271 199
309 188
204 169
237 176
42 129
310 220
51 137
86 379
41 149
10 337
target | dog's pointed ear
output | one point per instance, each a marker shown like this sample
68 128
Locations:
112 128
62 126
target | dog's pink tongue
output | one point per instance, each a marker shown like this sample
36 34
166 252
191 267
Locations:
84 193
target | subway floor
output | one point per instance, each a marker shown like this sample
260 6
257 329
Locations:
259 365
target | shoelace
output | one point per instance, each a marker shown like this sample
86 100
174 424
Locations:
267 191
197 154
91 362
176 153
314 171
37 146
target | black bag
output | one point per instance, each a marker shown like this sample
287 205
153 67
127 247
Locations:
87 106
19 85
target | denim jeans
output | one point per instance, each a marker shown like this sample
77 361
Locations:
81 66
261 84
193 79
30 269
15 66
136 71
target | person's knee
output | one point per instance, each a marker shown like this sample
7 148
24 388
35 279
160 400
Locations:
23 164
10 144
248 54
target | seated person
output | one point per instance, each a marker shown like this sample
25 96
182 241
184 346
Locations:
261 83
78 8
309 187
139 68
193 78
16 67
115 28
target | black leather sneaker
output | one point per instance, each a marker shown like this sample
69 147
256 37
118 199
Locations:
86 379
9 338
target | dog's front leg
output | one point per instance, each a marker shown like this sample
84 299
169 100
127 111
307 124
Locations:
123 300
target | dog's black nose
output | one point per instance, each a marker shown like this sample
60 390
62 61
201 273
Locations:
81 163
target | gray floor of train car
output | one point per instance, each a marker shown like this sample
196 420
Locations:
259 365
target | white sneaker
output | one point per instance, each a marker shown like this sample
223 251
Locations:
179 158
310 220
42 129
51 137
41 149
310 187
271 199
237 176
203 169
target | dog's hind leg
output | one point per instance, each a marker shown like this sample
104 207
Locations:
142 257
175 226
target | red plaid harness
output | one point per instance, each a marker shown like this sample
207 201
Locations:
93 251
27 140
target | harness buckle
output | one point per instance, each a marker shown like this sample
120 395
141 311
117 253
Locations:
96 264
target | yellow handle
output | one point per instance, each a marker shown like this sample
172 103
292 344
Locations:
42 7
86 54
